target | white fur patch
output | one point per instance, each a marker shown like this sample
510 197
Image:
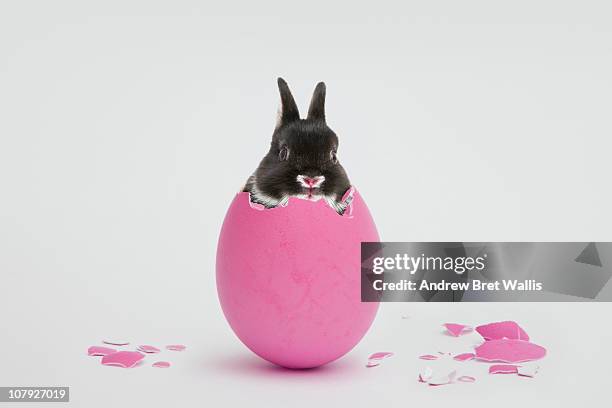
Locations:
309 197
265 199
269 201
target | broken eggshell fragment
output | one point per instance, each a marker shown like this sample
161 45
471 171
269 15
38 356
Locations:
148 349
509 351
502 330
428 357
115 342
528 370
446 378
464 356
100 351
176 347
425 375
503 369
375 359
456 329
380 355
124 359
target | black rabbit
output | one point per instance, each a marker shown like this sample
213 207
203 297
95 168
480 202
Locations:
302 161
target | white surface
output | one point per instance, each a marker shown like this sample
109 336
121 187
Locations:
128 126
217 370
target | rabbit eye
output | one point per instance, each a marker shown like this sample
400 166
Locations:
283 154
333 156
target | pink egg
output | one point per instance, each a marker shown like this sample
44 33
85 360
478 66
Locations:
289 279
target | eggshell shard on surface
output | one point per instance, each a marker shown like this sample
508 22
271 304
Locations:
289 279
161 364
100 351
443 379
455 329
375 359
428 357
124 359
148 349
502 330
425 375
380 355
464 356
433 379
503 369
176 347
116 342
529 370
509 351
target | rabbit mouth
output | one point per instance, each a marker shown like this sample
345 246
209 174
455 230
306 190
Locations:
310 187
310 194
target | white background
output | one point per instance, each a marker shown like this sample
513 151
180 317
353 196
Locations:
127 127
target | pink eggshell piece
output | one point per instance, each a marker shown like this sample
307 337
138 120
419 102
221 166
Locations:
176 347
375 359
289 279
125 359
100 351
428 357
509 351
456 329
148 349
380 355
467 378
161 364
464 356
502 330
503 369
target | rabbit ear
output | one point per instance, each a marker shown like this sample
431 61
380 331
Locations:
288 111
317 103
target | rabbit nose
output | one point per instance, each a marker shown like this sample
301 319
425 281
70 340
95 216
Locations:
310 182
